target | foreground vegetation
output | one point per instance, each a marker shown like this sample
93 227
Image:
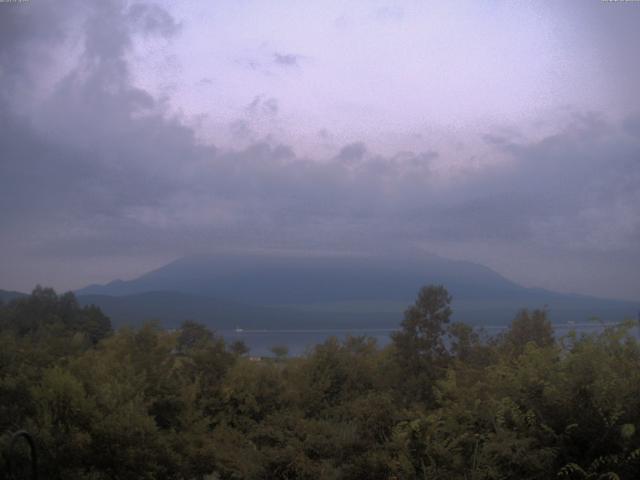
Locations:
441 402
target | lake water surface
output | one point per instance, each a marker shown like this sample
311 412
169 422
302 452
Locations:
299 342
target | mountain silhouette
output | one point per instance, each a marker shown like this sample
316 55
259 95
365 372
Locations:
269 291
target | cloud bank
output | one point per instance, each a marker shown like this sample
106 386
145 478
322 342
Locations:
99 176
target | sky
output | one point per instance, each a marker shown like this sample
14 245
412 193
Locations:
504 133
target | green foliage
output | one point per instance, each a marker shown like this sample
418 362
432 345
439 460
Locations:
528 327
154 404
238 347
44 313
419 345
280 351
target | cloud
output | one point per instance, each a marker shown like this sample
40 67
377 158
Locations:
26 37
352 152
263 106
286 59
101 169
88 152
153 20
389 13
552 193
263 61
324 134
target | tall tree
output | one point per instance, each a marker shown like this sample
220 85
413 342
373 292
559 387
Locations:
419 346
529 327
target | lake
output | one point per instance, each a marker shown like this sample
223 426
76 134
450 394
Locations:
298 342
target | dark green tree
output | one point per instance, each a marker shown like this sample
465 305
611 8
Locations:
419 345
46 313
529 327
280 351
239 348
193 335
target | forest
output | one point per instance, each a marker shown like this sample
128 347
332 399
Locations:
442 401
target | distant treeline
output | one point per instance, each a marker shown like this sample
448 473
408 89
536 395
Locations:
442 401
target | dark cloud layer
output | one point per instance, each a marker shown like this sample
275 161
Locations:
100 169
286 59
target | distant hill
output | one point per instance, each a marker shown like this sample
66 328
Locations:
8 295
285 280
253 291
171 308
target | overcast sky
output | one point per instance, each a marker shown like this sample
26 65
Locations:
505 133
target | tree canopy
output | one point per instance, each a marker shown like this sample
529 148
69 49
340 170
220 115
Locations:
442 401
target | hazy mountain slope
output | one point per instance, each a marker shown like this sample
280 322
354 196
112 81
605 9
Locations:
322 292
283 280
171 308
8 295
